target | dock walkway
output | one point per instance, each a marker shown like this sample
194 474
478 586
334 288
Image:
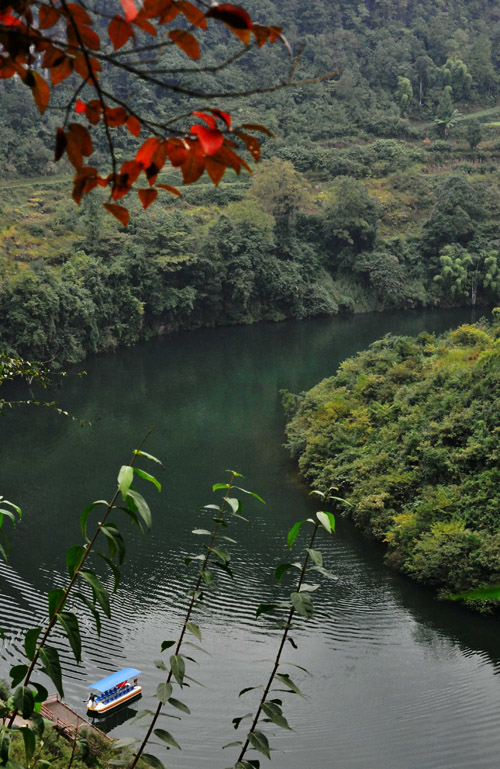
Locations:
67 720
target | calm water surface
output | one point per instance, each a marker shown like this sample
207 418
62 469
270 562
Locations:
400 681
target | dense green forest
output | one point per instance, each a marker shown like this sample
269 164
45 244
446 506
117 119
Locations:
388 198
409 432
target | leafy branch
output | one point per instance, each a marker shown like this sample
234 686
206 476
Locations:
221 558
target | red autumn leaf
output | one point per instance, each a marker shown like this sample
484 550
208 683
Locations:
173 190
9 20
61 71
251 143
225 116
258 127
85 180
194 164
186 42
131 169
6 69
52 57
211 139
129 9
169 14
80 106
88 37
79 14
275 34
215 170
60 144
147 196
133 125
261 34
145 25
79 143
152 8
234 17
47 16
192 13
93 111
207 118
231 159
119 212
40 91
177 150
145 154
116 116
80 65
119 31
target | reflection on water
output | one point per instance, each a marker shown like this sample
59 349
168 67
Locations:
400 680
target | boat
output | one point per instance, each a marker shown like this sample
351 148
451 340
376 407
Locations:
117 689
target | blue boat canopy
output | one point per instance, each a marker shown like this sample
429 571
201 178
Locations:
114 679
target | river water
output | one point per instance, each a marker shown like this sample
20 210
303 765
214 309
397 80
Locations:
399 680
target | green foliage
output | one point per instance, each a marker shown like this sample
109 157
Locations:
409 432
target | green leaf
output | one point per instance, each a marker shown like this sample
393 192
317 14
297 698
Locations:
292 534
285 679
151 760
147 477
139 453
99 593
281 570
324 572
30 641
316 556
163 692
69 621
327 521
237 721
265 608
234 504
114 568
24 701
207 577
56 597
41 693
125 478
167 645
232 744
92 610
275 713
251 493
222 554
303 605
307 588
194 629
166 737
139 505
74 558
140 715
17 674
249 689
125 742
29 742
85 514
218 486
115 540
179 705
160 665
201 531
52 667
259 742
178 667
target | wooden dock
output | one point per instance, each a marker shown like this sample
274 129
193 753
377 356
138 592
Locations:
67 720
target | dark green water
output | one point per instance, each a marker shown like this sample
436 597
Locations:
400 680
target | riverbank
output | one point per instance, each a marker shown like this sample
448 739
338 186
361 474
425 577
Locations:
409 432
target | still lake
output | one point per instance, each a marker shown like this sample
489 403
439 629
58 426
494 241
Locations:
399 680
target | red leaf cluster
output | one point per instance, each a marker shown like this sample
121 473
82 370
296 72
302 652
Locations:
61 38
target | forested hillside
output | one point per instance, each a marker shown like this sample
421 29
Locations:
409 432
381 190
